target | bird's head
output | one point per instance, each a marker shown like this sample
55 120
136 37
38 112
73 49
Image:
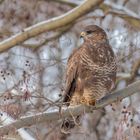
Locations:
93 33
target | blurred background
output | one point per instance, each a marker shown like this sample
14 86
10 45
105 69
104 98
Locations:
32 73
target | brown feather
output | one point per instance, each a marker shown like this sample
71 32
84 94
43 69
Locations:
91 69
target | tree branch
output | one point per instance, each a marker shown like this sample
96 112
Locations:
117 10
111 8
48 25
50 38
75 110
114 6
129 77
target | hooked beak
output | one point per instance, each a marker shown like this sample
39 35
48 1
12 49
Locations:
83 34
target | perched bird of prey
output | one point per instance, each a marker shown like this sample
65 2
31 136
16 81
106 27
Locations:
91 69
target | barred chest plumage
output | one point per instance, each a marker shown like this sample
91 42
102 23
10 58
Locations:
91 69
102 67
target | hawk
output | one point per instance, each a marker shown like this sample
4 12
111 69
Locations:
91 69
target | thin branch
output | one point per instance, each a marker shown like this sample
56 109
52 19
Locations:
134 71
49 25
117 10
125 2
75 110
132 18
129 78
123 75
121 8
5 119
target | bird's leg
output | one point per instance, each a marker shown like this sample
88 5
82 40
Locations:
88 101
60 111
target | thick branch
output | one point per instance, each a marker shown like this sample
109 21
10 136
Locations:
48 25
76 110
50 38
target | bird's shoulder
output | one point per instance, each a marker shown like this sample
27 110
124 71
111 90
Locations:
75 54
72 64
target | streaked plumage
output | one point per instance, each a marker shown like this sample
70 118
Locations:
91 68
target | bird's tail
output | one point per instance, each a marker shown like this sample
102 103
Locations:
69 123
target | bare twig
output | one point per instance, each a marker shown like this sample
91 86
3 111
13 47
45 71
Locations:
49 25
75 110
134 71
132 18
129 78
121 8
125 2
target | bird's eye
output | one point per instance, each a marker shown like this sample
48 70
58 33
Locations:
89 32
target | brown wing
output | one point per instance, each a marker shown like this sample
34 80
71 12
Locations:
72 75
